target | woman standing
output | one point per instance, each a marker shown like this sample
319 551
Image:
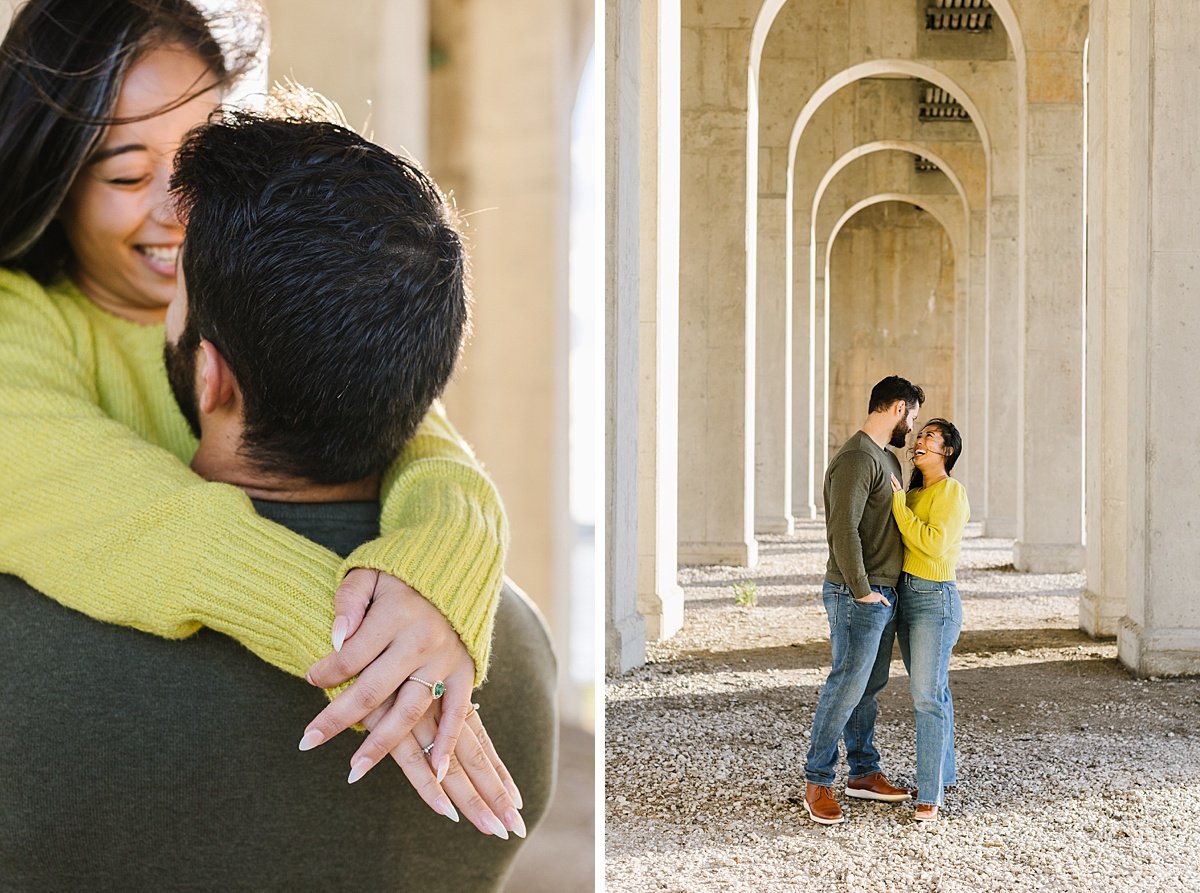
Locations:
931 518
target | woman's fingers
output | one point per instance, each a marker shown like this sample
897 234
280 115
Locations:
475 724
374 686
373 636
455 708
351 602
411 704
475 760
410 757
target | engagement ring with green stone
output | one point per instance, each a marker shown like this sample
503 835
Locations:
437 688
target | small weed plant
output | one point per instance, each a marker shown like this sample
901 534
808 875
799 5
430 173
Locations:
745 594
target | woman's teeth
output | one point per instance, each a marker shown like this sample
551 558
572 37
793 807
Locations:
163 254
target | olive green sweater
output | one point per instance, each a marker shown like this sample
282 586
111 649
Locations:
134 763
99 510
864 544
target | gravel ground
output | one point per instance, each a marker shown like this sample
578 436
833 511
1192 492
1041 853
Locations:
1073 775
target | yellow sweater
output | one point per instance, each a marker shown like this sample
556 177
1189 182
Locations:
931 522
99 510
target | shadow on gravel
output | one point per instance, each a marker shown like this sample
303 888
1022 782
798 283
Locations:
797 581
815 653
1053 723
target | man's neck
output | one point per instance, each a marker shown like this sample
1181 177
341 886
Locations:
879 428
225 465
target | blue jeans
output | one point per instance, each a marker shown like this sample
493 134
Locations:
861 636
927 624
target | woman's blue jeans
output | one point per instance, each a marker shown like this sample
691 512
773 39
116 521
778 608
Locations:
861 636
928 621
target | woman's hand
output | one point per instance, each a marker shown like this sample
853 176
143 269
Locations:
401 636
896 488
477 781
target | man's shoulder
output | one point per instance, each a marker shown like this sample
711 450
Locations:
860 450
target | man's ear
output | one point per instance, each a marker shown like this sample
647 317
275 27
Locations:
218 387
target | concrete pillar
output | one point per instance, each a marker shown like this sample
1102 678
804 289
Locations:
1050 429
659 598
805 394
820 457
625 636
1160 633
502 91
387 86
1004 397
773 377
975 418
716 298
1103 601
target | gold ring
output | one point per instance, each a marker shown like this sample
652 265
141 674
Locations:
436 688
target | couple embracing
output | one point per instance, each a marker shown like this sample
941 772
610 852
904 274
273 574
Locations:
891 574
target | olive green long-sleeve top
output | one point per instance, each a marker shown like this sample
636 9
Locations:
134 763
865 549
100 511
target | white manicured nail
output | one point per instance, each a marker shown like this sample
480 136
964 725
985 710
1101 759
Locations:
497 827
311 739
339 632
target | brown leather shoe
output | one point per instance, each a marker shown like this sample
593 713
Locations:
925 812
876 787
822 806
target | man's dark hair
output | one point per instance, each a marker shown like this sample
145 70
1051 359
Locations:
62 64
332 278
894 388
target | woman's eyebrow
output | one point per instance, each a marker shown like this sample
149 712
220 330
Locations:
105 154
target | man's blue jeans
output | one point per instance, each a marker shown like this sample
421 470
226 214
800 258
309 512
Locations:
861 635
928 622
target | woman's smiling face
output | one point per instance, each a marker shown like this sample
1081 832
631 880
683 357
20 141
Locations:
117 216
929 449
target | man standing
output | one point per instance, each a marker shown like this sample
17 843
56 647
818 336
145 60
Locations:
323 313
865 559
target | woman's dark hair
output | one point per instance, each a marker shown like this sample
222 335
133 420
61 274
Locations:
951 440
62 64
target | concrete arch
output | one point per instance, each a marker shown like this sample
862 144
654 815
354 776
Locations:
877 68
880 198
888 146
958 233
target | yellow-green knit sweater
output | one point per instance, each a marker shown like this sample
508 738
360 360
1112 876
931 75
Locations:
99 510
931 521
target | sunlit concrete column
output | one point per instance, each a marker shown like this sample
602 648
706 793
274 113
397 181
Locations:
625 635
1160 633
773 377
716 294
1004 397
820 457
805 335
502 90
659 598
975 418
374 63
1103 601
1050 433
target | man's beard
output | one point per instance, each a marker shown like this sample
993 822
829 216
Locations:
900 433
181 373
